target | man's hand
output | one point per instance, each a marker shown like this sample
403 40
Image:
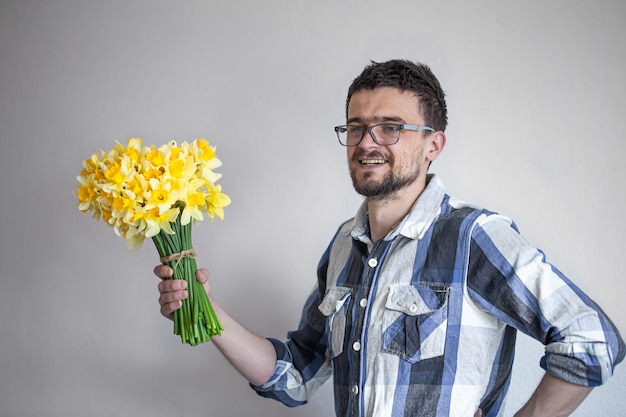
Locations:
174 291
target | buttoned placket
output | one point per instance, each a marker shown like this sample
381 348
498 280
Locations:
372 262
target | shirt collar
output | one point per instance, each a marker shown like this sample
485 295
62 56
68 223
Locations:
415 224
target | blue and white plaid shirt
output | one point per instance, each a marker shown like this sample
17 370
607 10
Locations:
423 322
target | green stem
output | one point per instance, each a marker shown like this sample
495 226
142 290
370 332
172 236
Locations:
195 322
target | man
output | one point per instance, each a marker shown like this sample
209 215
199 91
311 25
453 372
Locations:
420 296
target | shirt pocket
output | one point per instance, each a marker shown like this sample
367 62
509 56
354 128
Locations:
415 321
334 306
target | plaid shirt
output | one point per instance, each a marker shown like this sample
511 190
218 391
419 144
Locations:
423 322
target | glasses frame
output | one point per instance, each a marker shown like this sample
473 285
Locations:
368 129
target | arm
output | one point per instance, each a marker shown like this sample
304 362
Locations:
554 397
252 356
514 282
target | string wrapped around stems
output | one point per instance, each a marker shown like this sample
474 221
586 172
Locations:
191 253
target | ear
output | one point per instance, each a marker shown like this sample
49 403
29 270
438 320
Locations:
437 141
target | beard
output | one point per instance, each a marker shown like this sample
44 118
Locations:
384 189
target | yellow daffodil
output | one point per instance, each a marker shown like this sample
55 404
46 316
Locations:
193 202
157 221
155 157
216 201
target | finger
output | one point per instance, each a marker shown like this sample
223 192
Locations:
172 297
202 275
163 271
171 285
171 301
167 310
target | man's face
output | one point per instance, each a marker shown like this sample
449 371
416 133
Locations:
377 171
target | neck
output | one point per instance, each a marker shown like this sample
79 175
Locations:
384 214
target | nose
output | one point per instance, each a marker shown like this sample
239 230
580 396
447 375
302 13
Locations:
368 139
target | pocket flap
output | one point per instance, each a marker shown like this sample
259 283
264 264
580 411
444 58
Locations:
334 299
414 300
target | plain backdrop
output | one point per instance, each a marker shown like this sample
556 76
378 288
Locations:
537 98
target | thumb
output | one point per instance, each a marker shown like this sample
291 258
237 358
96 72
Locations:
202 275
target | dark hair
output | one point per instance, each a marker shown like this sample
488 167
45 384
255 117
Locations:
406 76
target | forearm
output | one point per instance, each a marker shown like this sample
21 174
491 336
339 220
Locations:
252 356
554 397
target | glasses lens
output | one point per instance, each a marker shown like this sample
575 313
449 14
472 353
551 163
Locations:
386 134
349 135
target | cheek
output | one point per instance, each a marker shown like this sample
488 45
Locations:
350 153
408 160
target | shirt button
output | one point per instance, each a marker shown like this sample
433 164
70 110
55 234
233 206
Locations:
363 302
355 389
413 308
356 346
372 262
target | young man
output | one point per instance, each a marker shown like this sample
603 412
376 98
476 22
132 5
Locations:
420 296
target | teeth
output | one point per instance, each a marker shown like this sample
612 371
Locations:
372 161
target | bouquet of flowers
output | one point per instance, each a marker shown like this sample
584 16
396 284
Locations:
158 192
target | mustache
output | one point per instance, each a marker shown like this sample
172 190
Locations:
361 154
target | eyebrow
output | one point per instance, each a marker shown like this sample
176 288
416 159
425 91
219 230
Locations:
376 119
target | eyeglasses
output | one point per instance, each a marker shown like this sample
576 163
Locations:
383 133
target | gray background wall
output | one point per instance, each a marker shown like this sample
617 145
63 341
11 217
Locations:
537 97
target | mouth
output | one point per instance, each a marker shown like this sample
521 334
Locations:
372 162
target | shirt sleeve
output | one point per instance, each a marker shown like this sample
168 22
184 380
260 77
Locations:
513 281
303 364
